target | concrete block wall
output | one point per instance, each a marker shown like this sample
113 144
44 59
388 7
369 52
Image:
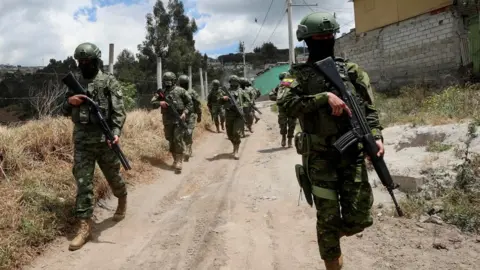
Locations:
424 49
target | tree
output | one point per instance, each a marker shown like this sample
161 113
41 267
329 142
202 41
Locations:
46 101
127 68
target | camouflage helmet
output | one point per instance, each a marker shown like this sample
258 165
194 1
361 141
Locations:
216 83
317 23
169 76
183 79
87 50
233 79
282 75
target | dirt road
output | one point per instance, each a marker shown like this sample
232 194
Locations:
226 214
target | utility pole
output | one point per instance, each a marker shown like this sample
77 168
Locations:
290 30
110 58
189 77
244 63
202 89
159 72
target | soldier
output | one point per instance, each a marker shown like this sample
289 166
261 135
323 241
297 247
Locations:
247 106
90 145
194 117
254 94
287 124
215 107
336 180
182 103
235 123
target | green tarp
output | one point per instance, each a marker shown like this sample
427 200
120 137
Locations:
265 82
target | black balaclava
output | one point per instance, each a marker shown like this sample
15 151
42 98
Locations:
167 84
184 85
320 49
89 69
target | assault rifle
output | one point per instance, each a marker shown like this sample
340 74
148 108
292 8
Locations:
72 84
171 108
256 109
360 131
234 103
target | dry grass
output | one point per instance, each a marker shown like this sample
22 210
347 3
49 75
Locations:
422 106
37 204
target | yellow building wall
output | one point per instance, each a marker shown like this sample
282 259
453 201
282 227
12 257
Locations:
373 14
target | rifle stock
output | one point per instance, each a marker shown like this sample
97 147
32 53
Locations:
72 83
360 131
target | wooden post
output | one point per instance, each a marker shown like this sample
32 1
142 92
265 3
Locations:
202 91
189 77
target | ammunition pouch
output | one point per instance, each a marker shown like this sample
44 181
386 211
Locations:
81 114
306 143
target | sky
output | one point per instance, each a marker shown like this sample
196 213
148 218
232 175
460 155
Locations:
34 31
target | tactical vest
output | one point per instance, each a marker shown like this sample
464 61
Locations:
176 94
98 90
323 128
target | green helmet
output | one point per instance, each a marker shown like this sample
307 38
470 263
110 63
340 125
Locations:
233 79
242 80
216 83
183 80
282 75
87 50
169 76
317 23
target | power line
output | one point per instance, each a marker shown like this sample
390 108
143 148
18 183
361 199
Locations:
259 30
278 23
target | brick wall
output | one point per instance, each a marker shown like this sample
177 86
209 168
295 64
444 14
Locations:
422 50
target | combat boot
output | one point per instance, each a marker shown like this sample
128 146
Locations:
335 264
121 209
175 160
178 166
187 155
289 142
235 151
283 140
83 234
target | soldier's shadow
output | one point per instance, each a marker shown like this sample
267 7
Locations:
102 226
272 150
157 162
221 156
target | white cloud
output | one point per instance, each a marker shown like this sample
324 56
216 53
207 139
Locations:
234 20
47 29
34 31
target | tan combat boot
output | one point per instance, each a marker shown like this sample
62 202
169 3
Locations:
83 234
188 154
335 264
235 151
289 142
283 140
121 209
178 165
175 160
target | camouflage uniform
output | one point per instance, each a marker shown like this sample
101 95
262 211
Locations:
90 145
194 117
287 124
235 124
342 194
247 106
174 133
215 107
254 94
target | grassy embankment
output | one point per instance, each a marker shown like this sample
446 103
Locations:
37 203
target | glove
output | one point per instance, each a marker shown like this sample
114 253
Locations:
199 118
